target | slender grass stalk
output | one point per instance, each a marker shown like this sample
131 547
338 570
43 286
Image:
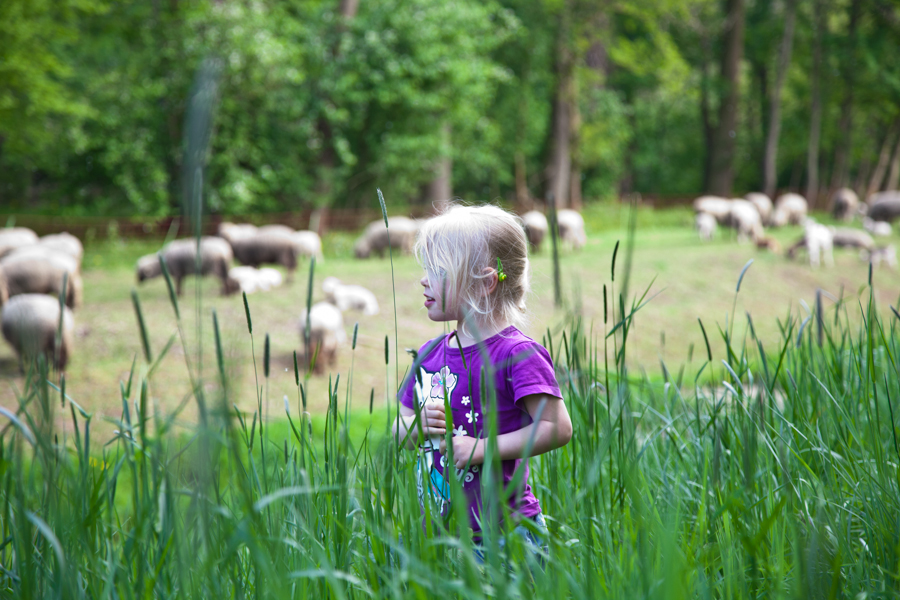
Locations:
393 289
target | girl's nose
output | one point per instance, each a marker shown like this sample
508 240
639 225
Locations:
424 281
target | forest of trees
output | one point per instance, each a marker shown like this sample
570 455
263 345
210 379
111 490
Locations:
320 101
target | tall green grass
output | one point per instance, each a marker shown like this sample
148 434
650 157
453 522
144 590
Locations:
764 472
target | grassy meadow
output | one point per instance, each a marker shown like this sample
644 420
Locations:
758 461
686 279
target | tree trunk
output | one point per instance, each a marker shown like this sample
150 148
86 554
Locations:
705 116
440 189
840 174
862 176
348 9
884 157
815 112
559 163
893 178
721 175
523 198
574 200
761 72
770 173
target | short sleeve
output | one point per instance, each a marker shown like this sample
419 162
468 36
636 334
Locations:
531 372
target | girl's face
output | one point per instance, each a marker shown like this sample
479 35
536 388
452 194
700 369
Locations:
440 305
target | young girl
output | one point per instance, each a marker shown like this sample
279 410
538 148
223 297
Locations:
477 274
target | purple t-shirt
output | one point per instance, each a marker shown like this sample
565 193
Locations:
522 367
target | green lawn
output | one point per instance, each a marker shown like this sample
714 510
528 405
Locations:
689 279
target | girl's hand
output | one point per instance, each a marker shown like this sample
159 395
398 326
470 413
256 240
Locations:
463 446
434 421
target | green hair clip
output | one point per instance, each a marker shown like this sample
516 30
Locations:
500 274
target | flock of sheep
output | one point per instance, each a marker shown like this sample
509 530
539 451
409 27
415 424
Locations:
750 215
33 271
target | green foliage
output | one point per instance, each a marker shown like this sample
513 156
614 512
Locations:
314 108
763 472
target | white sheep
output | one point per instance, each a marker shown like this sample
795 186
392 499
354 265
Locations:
886 255
268 278
745 219
350 297
16 237
326 334
790 209
706 226
718 207
37 270
236 231
877 228
376 238
251 279
30 324
847 237
181 261
762 203
818 240
571 228
884 206
536 228
308 243
844 203
64 243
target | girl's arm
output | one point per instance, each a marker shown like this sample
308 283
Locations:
433 423
551 431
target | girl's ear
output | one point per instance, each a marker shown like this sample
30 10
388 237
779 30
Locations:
491 280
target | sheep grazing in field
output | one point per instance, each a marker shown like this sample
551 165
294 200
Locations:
877 228
844 204
30 323
536 228
706 226
571 228
376 237
884 206
267 249
308 243
350 297
818 240
326 334
745 219
886 255
718 207
790 209
845 237
12 238
251 279
762 203
181 260
276 229
236 231
35 270
64 243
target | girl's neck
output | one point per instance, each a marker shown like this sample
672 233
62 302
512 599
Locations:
463 333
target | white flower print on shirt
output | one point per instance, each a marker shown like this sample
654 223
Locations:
472 416
459 431
466 400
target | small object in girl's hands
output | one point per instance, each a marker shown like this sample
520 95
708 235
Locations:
500 274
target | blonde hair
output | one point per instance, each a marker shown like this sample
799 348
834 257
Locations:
464 243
